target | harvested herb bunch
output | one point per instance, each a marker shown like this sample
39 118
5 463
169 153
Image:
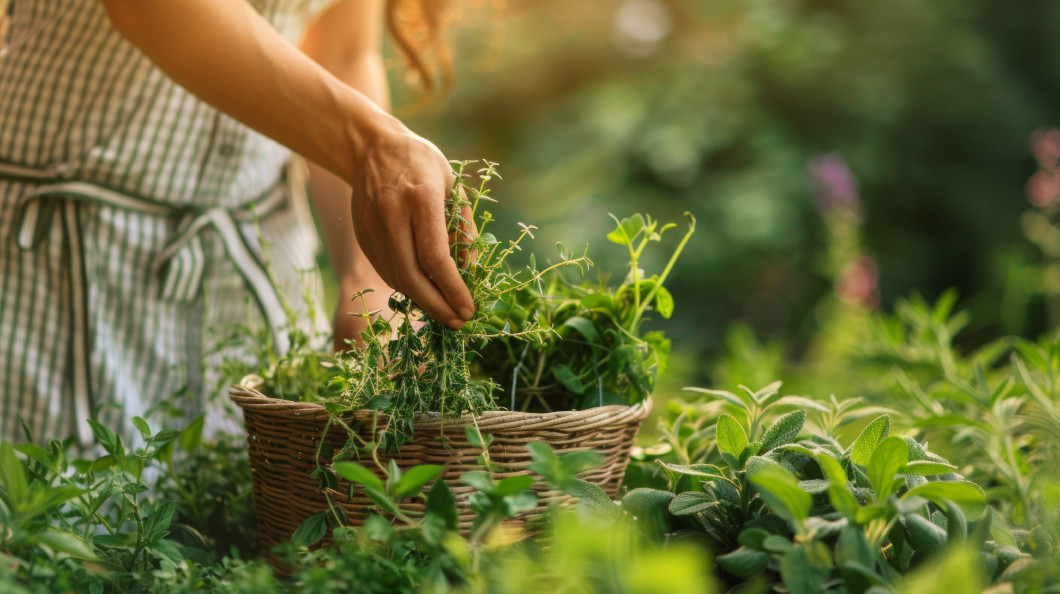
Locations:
411 364
599 353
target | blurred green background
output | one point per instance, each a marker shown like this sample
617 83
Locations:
922 111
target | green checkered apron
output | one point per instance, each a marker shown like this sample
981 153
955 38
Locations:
131 222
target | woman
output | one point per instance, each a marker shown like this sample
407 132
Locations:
137 172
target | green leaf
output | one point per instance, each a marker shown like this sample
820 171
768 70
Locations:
804 568
664 302
924 534
752 538
865 444
593 498
157 524
626 229
744 563
476 438
887 461
165 435
853 547
999 531
929 468
731 437
519 502
64 542
13 475
356 473
311 531
707 471
839 493
513 484
570 380
104 436
814 486
479 480
142 425
135 488
585 327
691 502
963 493
383 500
39 454
643 499
774 543
191 437
785 429
780 490
43 501
413 480
440 502
393 472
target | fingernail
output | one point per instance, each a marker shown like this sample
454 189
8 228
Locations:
465 314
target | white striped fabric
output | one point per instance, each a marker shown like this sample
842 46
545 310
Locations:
127 228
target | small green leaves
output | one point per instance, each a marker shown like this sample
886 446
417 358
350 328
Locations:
191 437
440 502
12 475
732 439
929 468
691 502
887 460
703 471
744 563
413 480
780 490
593 498
475 438
925 535
559 470
626 230
839 492
963 493
785 429
359 474
664 302
865 444
142 425
310 531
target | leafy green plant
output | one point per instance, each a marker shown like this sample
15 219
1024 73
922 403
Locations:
784 502
133 518
600 353
410 364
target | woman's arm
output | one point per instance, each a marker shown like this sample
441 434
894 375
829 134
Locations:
347 41
225 53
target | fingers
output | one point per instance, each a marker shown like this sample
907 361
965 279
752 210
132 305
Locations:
399 215
410 257
432 253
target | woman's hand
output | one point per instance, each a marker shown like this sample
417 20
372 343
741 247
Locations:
399 219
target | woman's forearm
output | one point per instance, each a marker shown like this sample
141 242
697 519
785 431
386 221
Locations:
225 53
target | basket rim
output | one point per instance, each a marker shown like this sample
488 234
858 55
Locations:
247 395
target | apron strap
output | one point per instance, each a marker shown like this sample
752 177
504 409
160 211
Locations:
181 261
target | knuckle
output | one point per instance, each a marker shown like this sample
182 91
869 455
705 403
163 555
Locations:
434 258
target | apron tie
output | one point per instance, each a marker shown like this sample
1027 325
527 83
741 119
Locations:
181 262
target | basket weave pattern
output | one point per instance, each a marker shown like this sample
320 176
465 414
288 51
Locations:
283 437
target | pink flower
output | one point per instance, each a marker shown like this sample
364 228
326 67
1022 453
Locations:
1045 145
859 283
835 184
1043 188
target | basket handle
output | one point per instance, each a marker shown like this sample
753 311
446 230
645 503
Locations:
252 383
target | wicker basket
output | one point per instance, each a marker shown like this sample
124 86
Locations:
283 437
